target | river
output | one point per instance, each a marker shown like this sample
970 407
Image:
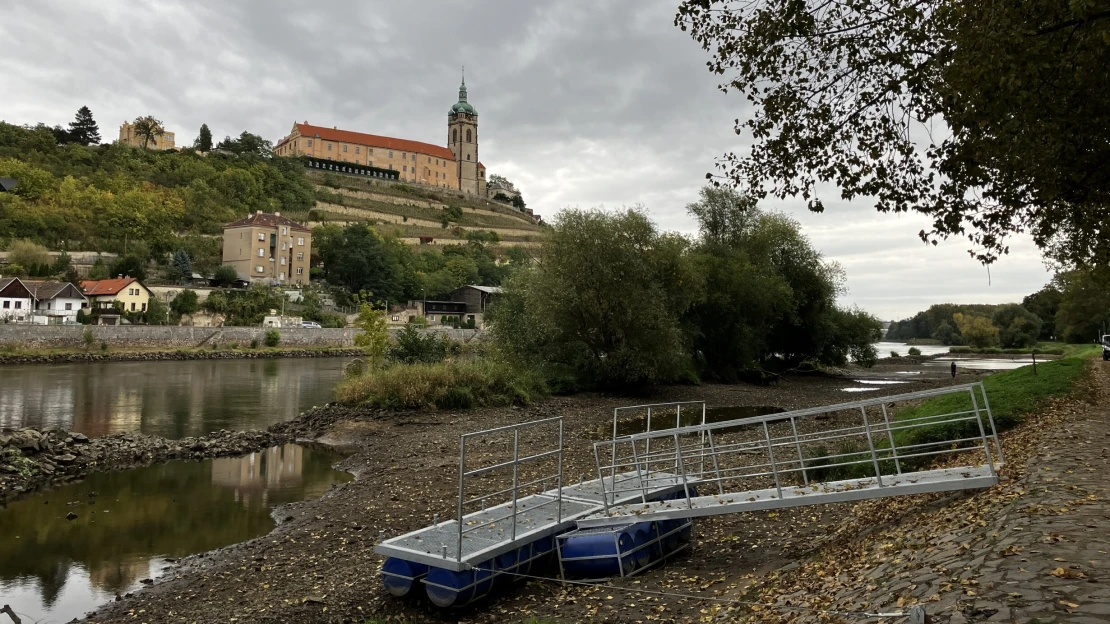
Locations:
63 552
174 399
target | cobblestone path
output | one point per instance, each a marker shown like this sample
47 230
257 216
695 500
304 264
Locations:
1035 548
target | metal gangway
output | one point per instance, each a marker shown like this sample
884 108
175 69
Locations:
846 452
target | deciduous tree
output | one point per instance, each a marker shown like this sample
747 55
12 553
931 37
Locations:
989 117
148 129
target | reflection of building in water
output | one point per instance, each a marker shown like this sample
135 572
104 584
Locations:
257 473
116 576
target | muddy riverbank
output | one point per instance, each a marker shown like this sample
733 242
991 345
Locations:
318 565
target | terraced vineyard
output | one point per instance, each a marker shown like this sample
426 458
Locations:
410 212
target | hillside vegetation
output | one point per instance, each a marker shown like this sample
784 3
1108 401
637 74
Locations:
121 199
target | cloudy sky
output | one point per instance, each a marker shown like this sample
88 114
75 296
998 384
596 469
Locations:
581 103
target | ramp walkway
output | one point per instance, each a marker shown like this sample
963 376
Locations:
791 459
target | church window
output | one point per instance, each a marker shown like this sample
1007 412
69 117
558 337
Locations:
455 135
310 142
468 139
468 156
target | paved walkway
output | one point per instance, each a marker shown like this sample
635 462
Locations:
1035 548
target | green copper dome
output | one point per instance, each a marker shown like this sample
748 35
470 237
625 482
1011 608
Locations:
462 106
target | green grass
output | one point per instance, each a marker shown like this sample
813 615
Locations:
444 385
1012 394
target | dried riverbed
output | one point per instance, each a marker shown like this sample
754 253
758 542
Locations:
318 565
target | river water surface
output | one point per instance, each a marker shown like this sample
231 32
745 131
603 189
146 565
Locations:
174 399
129 525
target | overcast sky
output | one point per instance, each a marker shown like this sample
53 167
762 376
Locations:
581 103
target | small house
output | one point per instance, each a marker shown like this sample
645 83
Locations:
130 292
55 302
16 301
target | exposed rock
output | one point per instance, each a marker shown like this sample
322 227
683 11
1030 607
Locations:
71 516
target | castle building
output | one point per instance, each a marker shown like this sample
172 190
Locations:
454 167
128 136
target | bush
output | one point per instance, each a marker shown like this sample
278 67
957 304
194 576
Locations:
894 354
104 346
254 343
225 275
914 351
445 385
273 338
416 347
959 349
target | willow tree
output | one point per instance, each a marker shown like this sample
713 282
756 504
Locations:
990 117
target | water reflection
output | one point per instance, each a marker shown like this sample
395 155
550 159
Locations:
128 523
171 399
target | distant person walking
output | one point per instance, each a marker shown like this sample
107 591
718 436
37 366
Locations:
953 370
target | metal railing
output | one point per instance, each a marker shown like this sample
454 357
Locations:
797 448
512 465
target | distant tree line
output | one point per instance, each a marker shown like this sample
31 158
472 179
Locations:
1074 307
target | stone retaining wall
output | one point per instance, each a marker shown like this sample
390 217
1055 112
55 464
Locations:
72 336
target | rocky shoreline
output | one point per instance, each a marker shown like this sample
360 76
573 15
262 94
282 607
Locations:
33 459
175 354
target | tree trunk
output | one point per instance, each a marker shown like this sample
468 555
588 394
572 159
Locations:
15 618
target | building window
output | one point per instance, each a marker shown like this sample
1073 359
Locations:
300 255
468 139
283 261
7 304
18 305
396 318
300 241
283 245
357 149
391 154
281 275
132 306
329 147
310 142
455 135
258 269
371 152
431 317
69 306
284 231
405 168
261 253
261 236
344 148
429 160
300 270
144 307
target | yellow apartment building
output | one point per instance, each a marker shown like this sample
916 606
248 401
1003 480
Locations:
269 248
127 136
454 167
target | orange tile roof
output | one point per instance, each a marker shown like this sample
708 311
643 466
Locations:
373 140
101 288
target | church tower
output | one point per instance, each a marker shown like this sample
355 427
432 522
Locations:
462 138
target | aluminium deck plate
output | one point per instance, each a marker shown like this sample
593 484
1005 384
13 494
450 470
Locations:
918 482
489 531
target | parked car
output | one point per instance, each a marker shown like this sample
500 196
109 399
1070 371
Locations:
310 325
